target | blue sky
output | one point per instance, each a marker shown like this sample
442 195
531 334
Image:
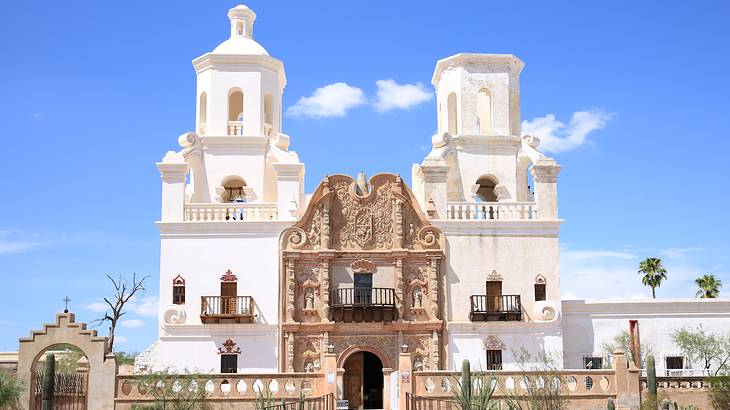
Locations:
95 93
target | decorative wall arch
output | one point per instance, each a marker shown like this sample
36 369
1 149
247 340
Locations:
540 279
65 330
361 348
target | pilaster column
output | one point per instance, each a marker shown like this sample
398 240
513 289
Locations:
433 277
545 175
324 280
173 171
405 378
399 286
290 352
434 187
289 180
291 281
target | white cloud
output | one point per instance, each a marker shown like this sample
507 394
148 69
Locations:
146 306
587 254
332 100
391 95
98 307
132 323
556 137
15 241
120 340
679 253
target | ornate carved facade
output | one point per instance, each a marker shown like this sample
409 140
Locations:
355 229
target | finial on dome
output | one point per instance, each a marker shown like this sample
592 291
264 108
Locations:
242 19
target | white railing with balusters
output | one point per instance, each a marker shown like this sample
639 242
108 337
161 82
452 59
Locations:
235 127
478 211
231 212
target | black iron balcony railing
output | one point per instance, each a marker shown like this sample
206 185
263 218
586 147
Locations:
485 308
363 304
235 309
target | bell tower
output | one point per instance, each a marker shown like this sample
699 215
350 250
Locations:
239 152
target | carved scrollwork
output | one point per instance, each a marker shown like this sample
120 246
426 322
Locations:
429 238
297 238
174 315
545 311
493 342
363 266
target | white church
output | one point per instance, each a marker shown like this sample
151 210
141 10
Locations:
460 262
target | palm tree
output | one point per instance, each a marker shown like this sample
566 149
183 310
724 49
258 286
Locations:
709 286
654 273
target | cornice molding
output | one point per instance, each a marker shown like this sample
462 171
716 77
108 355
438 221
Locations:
240 62
550 228
223 229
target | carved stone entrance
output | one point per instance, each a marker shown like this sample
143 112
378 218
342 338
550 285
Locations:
363 381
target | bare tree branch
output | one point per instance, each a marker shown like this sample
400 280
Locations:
122 295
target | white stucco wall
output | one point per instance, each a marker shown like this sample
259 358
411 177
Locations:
587 325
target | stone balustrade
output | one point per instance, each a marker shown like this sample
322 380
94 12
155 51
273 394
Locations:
575 383
485 211
235 127
133 389
231 212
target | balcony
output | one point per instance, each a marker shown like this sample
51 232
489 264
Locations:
235 127
231 212
363 305
226 309
502 308
486 211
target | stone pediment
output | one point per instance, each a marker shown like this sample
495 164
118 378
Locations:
382 216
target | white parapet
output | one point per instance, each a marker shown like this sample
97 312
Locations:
231 212
481 211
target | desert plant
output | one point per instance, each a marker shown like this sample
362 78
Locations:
474 390
703 347
708 286
651 387
263 399
622 341
10 389
49 380
611 405
175 391
542 381
654 274
719 391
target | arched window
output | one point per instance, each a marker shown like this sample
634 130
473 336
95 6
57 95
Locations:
203 114
540 288
451 114
485 191
235 112
178 290
233 190
484 112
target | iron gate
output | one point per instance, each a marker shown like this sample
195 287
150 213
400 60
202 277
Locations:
69 391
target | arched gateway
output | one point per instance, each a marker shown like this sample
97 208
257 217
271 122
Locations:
361 274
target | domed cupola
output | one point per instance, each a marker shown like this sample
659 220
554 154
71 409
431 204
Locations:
241 41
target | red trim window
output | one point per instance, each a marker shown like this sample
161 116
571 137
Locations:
178 290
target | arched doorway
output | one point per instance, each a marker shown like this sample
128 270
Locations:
363 381
71 377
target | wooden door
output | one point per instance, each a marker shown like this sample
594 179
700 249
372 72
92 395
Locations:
229 290
494 296
353 380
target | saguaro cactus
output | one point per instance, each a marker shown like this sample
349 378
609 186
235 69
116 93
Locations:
49 380
466 380
651 380
611 405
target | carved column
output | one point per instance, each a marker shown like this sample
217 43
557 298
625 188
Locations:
399 224
324 279
290 352
291 281
433 263
399 285
326 219
435 349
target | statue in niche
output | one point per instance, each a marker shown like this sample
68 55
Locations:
309 366
418 363
417 296
309 299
